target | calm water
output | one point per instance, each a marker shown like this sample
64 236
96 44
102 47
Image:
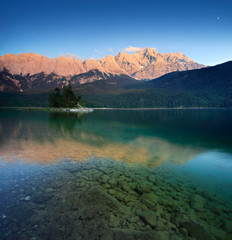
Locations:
110 174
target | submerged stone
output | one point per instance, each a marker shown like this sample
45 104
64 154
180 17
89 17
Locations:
105 178
27 198
196 230
149 217
95 197
114 221
40 198
143 188
150 200
133 219
198 203
128 234
49 190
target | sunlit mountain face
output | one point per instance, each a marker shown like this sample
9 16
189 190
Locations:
146 63
23 72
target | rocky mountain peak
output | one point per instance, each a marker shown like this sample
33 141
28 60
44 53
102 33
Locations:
149 51
144 64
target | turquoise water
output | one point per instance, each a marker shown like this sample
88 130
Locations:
111 174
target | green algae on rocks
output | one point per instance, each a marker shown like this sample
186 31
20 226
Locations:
104 199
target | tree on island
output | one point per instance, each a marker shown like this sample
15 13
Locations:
55 98
67 99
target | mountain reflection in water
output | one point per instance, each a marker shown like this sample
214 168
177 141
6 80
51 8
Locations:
64 138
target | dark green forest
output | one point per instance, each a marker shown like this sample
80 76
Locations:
136 99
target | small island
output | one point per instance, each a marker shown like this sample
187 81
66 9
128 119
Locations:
66 101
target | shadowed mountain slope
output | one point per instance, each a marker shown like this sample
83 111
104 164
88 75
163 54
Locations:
206 87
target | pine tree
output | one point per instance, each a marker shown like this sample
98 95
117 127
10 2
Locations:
67 99
70 100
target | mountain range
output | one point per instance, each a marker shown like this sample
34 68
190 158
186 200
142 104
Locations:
19 72
205 87
165 80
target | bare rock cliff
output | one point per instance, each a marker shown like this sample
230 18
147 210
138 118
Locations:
144 64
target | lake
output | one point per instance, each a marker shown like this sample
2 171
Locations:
116 174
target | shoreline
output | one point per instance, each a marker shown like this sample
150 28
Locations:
80 110
124 109
165 108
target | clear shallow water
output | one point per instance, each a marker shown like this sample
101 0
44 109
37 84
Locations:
163 174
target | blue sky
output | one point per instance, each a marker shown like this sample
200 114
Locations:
201 29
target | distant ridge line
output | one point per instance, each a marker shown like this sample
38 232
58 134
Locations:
144 64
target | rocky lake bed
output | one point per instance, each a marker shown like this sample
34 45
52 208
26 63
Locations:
106 199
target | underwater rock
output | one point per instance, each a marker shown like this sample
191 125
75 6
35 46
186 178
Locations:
105 178
198 203
49 190
27 198
111 191
143 188
114 221
113 181
105 235
40 198
128 234
132 185
150 200
123 197
149 217
133 219
196 230
219 234
160 226
126 187
95 197
38 216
